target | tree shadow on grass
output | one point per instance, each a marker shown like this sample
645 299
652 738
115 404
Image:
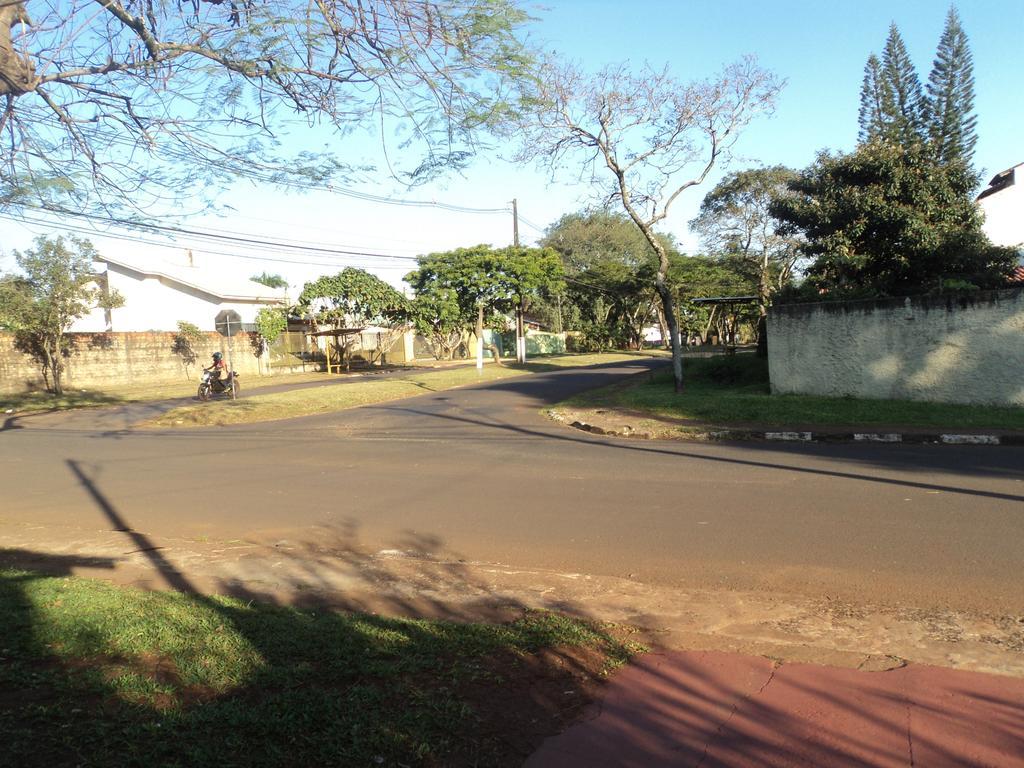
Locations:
107 676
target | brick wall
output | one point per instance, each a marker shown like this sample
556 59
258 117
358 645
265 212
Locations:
125 358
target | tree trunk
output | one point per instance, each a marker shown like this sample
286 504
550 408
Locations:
661 280
673 330
53 363
480 336
663 327
764 292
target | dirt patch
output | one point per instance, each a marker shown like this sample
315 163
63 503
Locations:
623 423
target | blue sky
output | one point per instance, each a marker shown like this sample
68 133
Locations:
819 48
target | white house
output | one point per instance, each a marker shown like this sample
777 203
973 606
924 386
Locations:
158 293
1003 205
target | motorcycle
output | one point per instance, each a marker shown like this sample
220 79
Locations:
209 386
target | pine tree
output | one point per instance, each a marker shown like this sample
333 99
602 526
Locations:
903 99
950 101
872 99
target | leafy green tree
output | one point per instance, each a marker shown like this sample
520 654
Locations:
57 285
354 298
440 319
269 280
486 281
701 277
271 322
888 220
184 342
950 96
606 259
603 253
586 238
735 219
121 103
615 302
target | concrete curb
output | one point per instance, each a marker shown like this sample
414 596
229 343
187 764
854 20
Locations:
912 438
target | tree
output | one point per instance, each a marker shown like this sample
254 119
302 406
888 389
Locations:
488 282
269 280
57 286
873 98
355 298
609 271
699 277
586 238
888 220
183 344
950 100
902 99
735 219
271 322
440 319
654 136
118 103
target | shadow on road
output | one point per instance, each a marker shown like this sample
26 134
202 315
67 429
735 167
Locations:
1000 462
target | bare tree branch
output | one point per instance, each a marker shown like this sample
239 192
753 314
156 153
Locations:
655 136
177 86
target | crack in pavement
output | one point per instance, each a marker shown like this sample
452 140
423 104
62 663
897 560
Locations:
776 665
910 739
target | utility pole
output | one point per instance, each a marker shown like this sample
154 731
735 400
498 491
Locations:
520 325
515 222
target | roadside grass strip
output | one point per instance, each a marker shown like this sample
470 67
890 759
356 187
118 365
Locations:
734 389
95 674
327 399
92 397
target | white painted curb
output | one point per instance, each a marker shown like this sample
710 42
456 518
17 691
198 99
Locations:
803 436
878 437
970 439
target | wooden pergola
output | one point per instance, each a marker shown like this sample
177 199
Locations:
337 334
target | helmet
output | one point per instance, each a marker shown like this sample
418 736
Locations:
217 356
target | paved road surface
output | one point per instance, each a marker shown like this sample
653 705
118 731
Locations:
479 474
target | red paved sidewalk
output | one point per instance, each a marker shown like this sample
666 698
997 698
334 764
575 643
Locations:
721 709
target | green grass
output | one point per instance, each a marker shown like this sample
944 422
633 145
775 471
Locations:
734 389
307 402
96 674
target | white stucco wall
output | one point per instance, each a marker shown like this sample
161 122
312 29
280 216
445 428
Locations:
154 303
957 349
1004 212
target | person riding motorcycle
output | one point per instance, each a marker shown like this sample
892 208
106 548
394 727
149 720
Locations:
218 369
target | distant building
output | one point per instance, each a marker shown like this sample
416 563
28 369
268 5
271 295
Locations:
1003 205
159 293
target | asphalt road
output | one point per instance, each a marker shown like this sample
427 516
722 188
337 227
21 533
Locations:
479 474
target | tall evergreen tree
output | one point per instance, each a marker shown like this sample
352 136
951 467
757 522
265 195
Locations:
872 101
950 100
903 99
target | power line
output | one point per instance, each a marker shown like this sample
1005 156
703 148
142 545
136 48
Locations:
135 238
531 225
239 238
